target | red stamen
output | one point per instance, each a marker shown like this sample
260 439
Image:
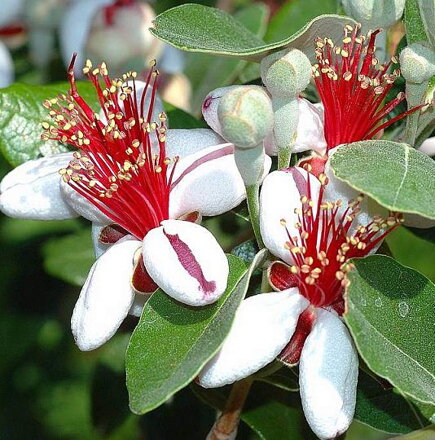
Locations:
121 165
353 86
328 237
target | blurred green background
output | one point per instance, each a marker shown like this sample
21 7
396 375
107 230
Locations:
51 390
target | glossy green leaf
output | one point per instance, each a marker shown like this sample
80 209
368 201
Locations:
385 409
172 342
395 175
208 72
21 117
70 258
197 28
390 315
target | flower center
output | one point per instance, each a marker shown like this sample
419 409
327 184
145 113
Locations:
121 165
329 234
353 86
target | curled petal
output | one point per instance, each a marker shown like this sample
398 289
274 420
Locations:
183 143
6 67
263 325
74 30
328 375
280 196
309 134
417 221
83 206
106 297
208 182
428 146
210 106
186 261
32 190
99 246
138 304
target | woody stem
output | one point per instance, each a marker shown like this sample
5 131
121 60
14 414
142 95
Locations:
225 427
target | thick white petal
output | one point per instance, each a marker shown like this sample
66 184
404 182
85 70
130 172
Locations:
417 221
328 375
138 304
6 66
210 106
280 196
263 325
186 261
106 297
32 190
74 30
309 134
428 146
99 248
184 142
213 187
172 60
11 11
82 205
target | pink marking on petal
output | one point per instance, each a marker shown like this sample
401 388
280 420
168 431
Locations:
190 263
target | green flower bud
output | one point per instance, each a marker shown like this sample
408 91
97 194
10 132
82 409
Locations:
286 75
417 63
246 116
375 13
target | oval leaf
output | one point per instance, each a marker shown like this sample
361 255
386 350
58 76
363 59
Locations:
395 175
198 28
172 342
21 117
390 312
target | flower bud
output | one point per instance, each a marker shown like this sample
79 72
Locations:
246 116
286 75
375 13
417 63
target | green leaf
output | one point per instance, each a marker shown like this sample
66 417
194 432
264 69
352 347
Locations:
395 175
197 28
21 117
272 413
415 31
208 72
70 258
293 15
422 434
385 409
390 315
180 119
172 342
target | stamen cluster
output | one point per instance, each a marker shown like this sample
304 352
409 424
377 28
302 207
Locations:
353 85
121 165
329 236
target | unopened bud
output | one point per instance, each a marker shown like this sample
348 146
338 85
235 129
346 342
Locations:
375 13
246 116
286 74
417 63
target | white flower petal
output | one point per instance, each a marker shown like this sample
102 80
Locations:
210 106
309 135
99 248
213 187
11 11
428 146
328 375
6 66
263 325
106 297
74 30
138 304
184 142
280 196
186 261
417 221
32 190
82 206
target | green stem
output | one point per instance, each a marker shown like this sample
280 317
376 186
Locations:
225 427
252 198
